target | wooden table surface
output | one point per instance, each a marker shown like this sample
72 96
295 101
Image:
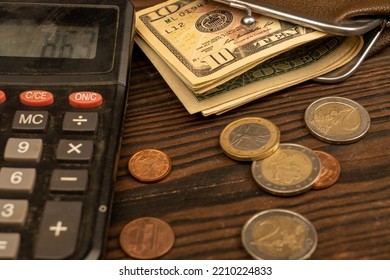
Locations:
208 197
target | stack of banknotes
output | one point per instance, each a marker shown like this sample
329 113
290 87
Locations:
214 64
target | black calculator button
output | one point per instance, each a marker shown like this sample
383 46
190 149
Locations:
36 98
3 97
58 232
30 120
75 150
27 150
64 180
80 122
13 212
17 180
9 246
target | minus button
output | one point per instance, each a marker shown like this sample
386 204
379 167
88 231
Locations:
69 180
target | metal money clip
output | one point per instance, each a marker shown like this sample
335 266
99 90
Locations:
370 29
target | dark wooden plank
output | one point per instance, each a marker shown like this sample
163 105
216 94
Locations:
208 197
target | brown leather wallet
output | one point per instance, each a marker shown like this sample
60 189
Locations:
347 17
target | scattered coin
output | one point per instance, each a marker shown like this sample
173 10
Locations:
150 165
249 139
279 234
146 238
337 120
291 170
330 170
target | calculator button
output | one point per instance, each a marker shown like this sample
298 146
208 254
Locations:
17 180
75 150
59 229
30 120
36 98
64 180
3 98
9 246
85 99
28 150
13 211
80 122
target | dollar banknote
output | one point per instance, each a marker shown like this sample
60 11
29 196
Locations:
290 68
205 45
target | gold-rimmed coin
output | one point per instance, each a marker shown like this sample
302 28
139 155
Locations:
146 238
279 234
249 139
330 171
337 120
291 170
150 165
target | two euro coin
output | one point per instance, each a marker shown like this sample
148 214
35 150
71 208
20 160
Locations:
250 139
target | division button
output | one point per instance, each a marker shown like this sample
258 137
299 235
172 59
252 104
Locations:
80 122
36 98
59 229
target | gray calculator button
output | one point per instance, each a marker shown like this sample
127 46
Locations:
9 246
30 120
64 180
59 229
17 180
18 149
13 211
83 122
75 150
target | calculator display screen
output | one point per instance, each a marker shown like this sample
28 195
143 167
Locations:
56 39
26 38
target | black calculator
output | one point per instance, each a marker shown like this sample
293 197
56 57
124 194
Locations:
64 74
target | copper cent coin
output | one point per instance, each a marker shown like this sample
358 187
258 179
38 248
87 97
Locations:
150 165
330 170
146 238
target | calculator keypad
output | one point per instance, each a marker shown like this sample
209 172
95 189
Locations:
53 162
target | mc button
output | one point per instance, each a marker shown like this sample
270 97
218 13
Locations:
85 99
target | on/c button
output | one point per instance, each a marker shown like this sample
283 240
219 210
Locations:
85 99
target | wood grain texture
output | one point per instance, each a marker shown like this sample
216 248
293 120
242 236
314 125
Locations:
208 197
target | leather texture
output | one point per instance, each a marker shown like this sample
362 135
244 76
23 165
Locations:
338 12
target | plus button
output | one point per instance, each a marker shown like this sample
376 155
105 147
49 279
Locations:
58 228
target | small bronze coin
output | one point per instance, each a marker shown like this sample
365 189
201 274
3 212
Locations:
278 234
150 165
330 170
146 238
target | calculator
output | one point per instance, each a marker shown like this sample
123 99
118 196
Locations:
64 75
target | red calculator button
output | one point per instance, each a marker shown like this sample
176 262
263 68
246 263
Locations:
2 97
85 99
36 98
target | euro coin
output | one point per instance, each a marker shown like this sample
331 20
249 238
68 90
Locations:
291 170
146 238
279 234
330 171
337 120
249 139
150 165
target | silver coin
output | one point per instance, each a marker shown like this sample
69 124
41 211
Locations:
291 170
337 120
279 234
